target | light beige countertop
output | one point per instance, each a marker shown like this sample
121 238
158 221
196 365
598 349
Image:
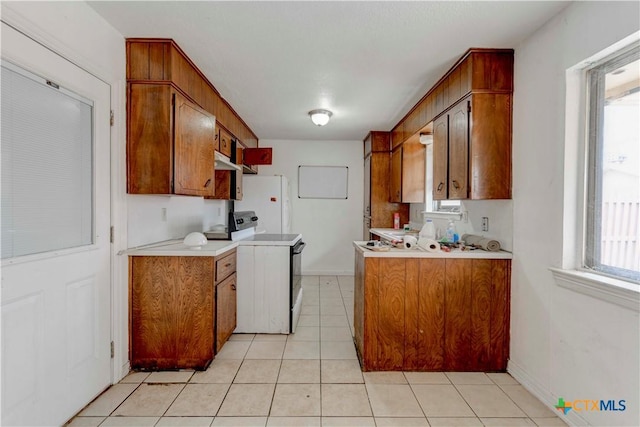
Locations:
420 253
177 248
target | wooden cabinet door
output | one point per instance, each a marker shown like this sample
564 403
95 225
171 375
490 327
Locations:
457 351
225 142
490 295
172 312
367 186
216 142
238 174
149 139
391 314
193 149
477 314
427 335
225 310
490 146
395 188
413 172
459 150
440 157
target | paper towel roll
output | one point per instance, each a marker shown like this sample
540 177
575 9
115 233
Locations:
481 242
409 242
429 245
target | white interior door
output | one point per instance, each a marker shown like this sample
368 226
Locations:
55 301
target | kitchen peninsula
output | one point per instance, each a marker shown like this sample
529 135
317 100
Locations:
422 311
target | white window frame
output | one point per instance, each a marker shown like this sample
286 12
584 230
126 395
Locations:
434 208
571 274
594 102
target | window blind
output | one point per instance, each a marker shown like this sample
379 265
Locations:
47 180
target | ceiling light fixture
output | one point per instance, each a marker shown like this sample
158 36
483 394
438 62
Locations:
426 138
320 117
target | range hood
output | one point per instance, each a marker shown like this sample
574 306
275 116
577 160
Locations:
222 163
247 170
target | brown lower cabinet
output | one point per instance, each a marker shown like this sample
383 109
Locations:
175 308
432 314
225 298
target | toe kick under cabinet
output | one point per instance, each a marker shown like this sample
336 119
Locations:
432 314
182 309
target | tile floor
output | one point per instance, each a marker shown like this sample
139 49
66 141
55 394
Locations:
312 378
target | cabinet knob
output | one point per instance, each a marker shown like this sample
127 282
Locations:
456 184
227 265
440 186
206 184
233 287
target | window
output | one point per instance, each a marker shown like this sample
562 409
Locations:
612 231
452 206
47 160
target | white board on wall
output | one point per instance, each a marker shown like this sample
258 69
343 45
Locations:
323 182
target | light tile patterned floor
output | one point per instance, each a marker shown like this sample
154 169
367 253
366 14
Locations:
312 378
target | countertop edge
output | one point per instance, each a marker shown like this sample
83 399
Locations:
410 253
154 249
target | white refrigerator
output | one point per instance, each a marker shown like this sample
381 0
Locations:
268 196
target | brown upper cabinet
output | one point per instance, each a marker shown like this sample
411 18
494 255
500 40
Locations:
160 66
378 209
472 149
174 155
451 140
408 172
471 110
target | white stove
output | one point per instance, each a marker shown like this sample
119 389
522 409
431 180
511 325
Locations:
269 288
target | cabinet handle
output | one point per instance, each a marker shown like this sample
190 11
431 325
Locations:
227 265
206 184
233 287
215 138
440 186
456 184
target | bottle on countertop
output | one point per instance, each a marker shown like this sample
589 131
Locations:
428 230
396 220
451 235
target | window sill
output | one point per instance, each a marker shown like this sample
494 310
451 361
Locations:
616 291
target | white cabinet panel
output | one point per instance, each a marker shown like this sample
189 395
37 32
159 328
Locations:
263 289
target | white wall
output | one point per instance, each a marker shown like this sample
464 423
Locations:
499 212
327 226
563 344
147 223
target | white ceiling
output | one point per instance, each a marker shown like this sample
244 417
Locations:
368 62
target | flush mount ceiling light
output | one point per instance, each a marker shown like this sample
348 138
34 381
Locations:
320 117
426 138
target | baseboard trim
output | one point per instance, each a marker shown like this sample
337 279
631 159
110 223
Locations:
544 395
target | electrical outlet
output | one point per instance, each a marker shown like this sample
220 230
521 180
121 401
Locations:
485 223
163 214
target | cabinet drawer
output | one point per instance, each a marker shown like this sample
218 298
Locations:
225 266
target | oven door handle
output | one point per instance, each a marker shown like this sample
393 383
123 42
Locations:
297 249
